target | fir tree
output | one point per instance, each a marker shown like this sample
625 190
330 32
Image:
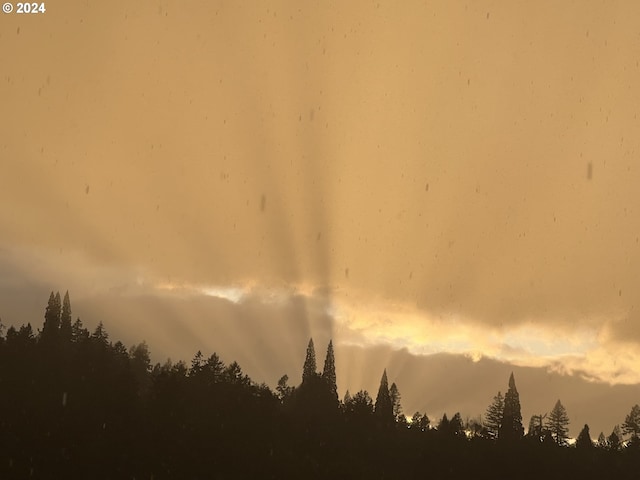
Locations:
631 425
384 406
493 417
329 371
558 424
584 439
52 318
456 427
394 393
443 425
284 390
511 428
65 319
613 441
309 368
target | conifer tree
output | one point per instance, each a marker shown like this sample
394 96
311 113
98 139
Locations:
443 425
613 441
631 425
584 439
52 317
419 422
65 318
558 424
602 441
456 427
394 393
511 428
284 390
309 368
493 417
383 406
329 371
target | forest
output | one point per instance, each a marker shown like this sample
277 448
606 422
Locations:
76 404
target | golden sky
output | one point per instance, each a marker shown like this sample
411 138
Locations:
438 177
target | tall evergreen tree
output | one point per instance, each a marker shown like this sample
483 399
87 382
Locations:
511 428
52 313
329 371
309 368
65 318
384 406
493 417
394 393
558 424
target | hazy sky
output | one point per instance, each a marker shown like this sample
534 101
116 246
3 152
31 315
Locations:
446 189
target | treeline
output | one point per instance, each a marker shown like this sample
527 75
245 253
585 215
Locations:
75 404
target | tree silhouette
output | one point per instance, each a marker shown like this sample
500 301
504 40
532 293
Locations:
537 430
51 326
384 406
493 416
443 425
558 424
65 319
511 427
584 439
309 368
631 425
283 389
456 427
329 371
419 422
614 440
359 409
395 396
93 408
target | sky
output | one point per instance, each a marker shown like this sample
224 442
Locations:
448 190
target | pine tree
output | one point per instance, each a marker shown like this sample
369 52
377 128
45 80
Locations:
383 406
394 393
558 424
359 405
613 441
631 425
456 426
584 439
65 318
443 425
511 428
347 398
493 417
52 313
602 441
329 371
419 422
309 368
284 390
78 332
